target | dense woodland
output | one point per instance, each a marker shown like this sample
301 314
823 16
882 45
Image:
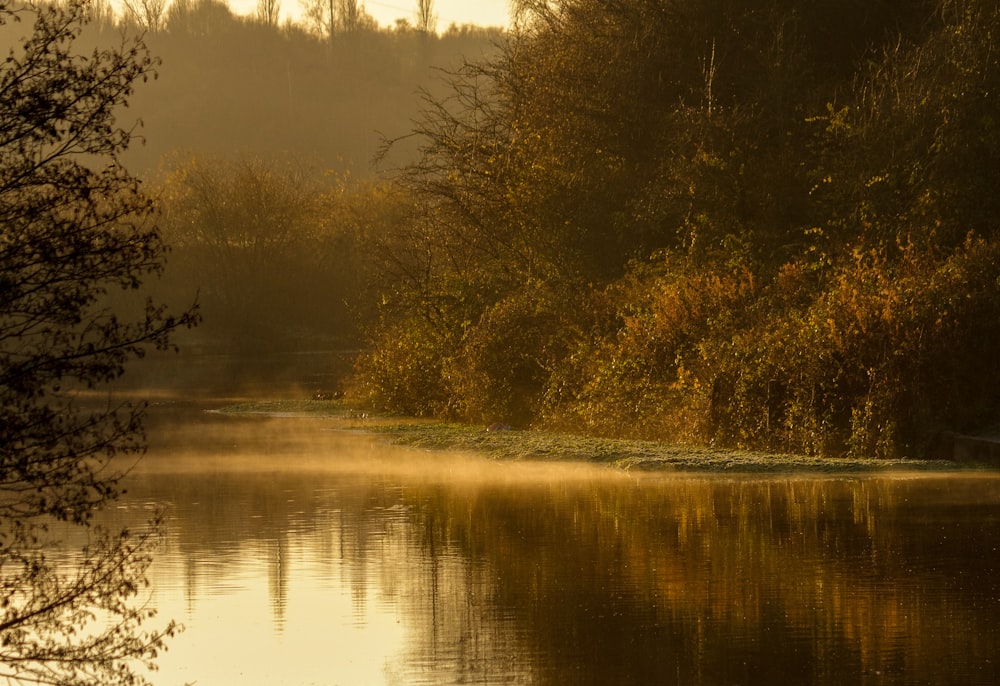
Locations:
754 223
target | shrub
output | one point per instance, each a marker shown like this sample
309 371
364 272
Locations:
506 359
646 376
888 354
402 373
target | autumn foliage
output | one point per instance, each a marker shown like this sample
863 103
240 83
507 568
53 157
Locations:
755 224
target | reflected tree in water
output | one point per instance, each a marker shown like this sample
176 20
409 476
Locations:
541 574
709 581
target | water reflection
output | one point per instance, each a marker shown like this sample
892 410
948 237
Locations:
302 555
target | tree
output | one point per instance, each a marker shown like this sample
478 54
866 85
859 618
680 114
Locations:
426 17
350 15
321 17
102 14
249 227
199 18
148 15
75 233
769 208
327 18
268 12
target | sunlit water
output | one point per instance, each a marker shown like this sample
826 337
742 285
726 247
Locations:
299 553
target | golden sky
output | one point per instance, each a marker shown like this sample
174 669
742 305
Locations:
386 12
482 12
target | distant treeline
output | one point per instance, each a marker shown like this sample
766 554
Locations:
244 85
281 256
759 223
259 140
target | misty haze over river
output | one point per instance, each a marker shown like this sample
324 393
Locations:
304 551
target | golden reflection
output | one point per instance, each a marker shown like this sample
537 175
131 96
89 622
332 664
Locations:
326 557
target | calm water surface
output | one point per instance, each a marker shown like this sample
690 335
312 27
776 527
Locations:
301 553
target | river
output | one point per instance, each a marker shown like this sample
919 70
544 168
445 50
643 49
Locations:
301 552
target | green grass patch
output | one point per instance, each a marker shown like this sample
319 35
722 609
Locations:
631 454
544 445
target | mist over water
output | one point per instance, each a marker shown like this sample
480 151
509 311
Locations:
304 551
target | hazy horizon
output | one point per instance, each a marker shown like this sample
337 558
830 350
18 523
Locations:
487 13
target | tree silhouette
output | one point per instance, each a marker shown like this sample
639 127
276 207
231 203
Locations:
268 12
426 17
74 232
147 14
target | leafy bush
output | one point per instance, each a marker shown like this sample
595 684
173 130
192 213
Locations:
886 356
505 361
402 373
645 377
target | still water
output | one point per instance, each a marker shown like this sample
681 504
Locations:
299 552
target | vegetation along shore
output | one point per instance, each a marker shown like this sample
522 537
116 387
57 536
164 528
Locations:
529 444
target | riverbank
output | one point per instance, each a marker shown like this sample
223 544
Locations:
508 444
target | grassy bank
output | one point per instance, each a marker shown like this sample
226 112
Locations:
542 445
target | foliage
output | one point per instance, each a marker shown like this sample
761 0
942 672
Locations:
503 364
647 375
886 357
780 220
74 230
403 374
240 226
235 82
278 251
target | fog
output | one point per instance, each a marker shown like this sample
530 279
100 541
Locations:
231 87
310 550
260 143
184 438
